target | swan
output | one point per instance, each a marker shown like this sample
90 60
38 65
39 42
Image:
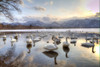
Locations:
28 36
73 41
55 39
60 36
87 38
4 36
37 39
12 40
88 44
51 47
73 36
29 41
96 38
66 44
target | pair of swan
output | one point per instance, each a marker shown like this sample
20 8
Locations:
51 47
55 39
12 40
88 45
91 44
29 41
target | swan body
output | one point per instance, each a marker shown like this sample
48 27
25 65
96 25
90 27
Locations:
73 41
74 37
88 38
87 44
4 36
51 47
37 39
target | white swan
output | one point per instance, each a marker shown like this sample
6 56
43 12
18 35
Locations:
51 47
73 41
88 44
55 39
37 39
60 36
12 40
29 41
66 44
4 36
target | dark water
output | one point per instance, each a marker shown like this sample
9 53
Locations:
22 55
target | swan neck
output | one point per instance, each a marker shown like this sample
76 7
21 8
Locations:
55 44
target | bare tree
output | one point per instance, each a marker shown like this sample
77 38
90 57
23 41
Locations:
7 6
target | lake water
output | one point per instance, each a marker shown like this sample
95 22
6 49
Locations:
20 54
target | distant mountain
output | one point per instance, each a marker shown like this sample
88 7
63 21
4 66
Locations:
92 22
82 23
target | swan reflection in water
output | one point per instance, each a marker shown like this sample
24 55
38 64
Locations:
51 54
15 37
29 46
4 40
66 49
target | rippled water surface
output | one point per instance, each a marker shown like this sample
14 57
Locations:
20 54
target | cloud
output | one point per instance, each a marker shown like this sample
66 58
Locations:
39 8
49 3
30 1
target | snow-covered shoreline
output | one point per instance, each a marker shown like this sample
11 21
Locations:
54 30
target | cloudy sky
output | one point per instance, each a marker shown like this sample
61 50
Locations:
58 9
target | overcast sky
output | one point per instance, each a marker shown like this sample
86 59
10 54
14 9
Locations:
59 9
